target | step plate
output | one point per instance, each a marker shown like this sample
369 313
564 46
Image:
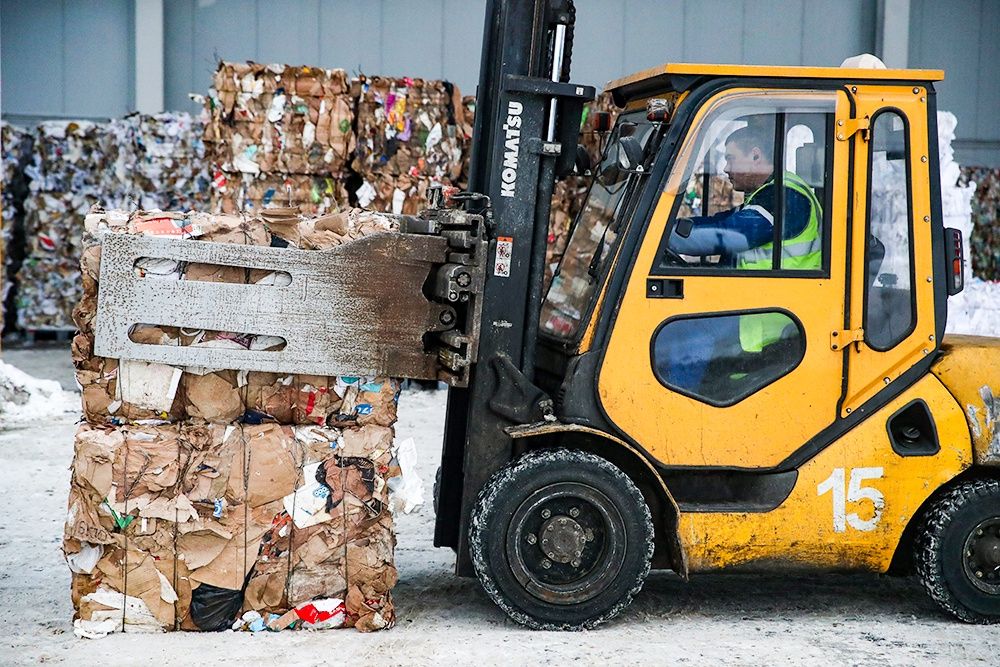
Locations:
356 309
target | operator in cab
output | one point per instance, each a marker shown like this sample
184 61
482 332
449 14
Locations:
744 236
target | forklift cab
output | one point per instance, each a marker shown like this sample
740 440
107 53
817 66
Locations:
744 323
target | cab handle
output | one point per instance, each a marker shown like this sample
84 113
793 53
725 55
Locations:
664 288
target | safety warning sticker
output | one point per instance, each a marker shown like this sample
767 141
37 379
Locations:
505 249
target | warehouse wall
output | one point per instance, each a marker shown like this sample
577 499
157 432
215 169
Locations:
75 57
65 58
962 37
442 39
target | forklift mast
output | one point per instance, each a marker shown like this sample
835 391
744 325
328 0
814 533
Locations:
526 131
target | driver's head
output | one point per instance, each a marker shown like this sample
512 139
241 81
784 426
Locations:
749 158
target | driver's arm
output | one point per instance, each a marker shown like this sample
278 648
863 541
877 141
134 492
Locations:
727 232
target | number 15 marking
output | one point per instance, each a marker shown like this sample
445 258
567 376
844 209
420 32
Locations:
855 492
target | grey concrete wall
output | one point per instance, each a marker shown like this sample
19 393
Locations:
442 38
962 37
65 58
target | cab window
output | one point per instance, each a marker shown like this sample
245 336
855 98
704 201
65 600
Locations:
754 187
890 313
596 231
722 358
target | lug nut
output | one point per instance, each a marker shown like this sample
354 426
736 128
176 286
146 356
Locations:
562 521
574 512
546 514
546 563
531 538
575 563
589 535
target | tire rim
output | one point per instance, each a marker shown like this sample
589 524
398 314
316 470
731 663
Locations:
566 543
982 556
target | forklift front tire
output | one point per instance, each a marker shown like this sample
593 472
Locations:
561 540
958 551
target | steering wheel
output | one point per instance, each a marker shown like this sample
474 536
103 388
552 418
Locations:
674 257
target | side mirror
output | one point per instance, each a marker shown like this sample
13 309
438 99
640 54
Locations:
629 153
583 162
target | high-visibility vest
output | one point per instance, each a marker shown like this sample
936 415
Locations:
802 252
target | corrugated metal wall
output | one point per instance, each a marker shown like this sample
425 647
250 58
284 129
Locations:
74 57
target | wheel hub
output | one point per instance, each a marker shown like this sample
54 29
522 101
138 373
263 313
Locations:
982 556
565 543
563 539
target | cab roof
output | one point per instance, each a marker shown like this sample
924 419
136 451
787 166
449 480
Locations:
680 76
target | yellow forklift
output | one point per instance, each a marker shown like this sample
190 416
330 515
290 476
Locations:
723 400
740 363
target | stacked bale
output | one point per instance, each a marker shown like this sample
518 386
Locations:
206 499
16 143
152 161
278 136
66 180
984 245
157 161
412 134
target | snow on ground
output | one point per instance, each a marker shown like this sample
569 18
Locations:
25 399
735 619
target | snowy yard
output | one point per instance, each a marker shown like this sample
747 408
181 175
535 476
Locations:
724 619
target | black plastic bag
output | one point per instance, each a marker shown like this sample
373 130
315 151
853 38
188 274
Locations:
214 609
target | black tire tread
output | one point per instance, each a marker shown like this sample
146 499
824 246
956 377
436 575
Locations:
927 546
500 482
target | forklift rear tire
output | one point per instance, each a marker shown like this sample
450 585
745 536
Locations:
561 540
958 551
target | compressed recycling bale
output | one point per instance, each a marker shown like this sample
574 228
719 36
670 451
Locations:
17 143
157 162
279 119
412 134
394 194
48 289
984 244
115 392
308 194
409 126
186 520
